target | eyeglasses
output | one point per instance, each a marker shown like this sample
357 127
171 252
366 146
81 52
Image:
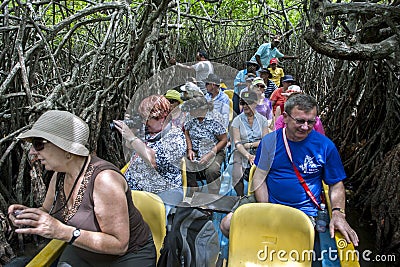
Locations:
260 86
38 143
302 122
242 102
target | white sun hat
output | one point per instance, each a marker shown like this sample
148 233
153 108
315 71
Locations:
61 128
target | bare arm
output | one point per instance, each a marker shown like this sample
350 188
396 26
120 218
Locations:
109 201
173 61
338 220
190 153
258 59
265 131
290 57
260 186
145 152
222 141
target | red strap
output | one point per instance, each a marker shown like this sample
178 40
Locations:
296 171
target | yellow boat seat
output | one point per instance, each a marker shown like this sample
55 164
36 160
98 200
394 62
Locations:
250 190
153 211
230 110
184 176
125 168
259 230
342 248
48 254
229 93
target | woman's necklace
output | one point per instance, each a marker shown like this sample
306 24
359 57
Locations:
70 193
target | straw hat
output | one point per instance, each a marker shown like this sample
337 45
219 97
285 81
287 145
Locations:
63 129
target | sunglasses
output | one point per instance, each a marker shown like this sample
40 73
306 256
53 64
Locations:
302 122
261 86
38 143
242 103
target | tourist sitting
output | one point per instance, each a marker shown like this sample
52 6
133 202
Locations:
264 106
276 72
265 74
313 157
206 139
88 203
240 82
155 162
247 129
277 99
176 117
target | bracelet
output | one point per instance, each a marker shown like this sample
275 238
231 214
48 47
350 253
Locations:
238 143
212 151
339 209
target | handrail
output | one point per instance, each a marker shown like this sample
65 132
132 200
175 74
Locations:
48 254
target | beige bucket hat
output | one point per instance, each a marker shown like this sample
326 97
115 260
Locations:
63 129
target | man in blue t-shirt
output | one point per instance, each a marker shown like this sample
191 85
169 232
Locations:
267 51
315 157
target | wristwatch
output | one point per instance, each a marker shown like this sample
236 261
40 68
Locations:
339 209
75 234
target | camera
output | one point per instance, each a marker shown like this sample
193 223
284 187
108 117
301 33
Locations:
135 122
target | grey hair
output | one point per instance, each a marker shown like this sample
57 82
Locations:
303 102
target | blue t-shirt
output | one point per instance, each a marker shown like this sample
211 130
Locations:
266 53
316 158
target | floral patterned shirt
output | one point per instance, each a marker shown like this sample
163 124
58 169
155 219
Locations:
204 134
169 149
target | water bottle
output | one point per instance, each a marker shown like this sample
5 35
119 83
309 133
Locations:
322 219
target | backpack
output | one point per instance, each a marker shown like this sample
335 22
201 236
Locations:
191 240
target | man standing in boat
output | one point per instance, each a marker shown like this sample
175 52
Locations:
313 155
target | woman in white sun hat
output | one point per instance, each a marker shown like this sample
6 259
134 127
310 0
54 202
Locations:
88 203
